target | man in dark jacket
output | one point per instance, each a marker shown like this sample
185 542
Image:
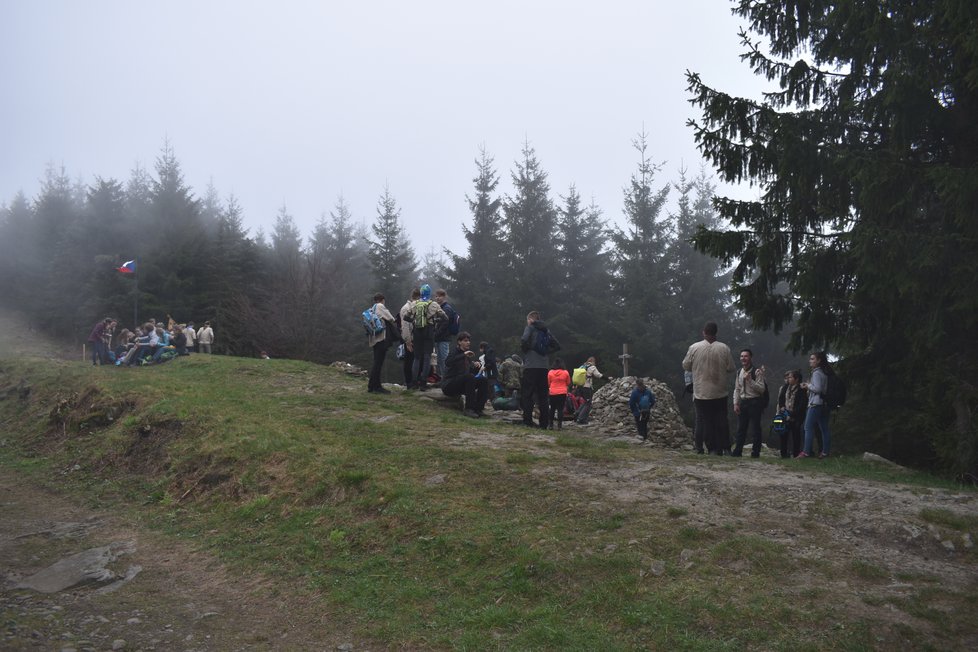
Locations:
537 343
460 377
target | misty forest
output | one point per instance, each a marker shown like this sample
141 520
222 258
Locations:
862 242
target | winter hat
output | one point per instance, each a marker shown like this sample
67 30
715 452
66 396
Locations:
425 292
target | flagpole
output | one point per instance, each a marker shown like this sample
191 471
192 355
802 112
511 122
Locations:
135 297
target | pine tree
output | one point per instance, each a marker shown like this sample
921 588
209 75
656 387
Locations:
866 158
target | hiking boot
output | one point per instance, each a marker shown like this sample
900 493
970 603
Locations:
822 456
472 414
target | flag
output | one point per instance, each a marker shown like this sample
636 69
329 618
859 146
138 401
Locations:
128 267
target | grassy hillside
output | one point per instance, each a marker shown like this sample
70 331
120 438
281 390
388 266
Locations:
423 529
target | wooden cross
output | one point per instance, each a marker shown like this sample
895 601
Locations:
624 359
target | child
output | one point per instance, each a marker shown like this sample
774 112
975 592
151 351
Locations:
641 403
558 380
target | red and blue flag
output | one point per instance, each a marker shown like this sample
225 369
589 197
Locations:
128 267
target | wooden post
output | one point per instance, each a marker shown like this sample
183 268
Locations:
624 359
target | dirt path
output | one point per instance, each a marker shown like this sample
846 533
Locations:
179 599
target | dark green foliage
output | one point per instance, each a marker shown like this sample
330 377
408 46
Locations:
479 279
392 258
866 157
530 221
642 274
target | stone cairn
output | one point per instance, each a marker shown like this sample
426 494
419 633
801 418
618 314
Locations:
610 414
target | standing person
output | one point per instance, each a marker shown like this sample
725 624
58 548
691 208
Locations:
191 337
97 341
587 391
641 402
711 362
818 409
425 318
407 335
558 382
793 401
446 330
462 377
537 344
205 337
379 343
749 400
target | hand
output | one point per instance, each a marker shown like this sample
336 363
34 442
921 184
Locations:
470 353
736 408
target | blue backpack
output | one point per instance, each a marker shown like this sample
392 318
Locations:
372 323
646 401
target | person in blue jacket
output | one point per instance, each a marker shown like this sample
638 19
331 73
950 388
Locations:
641 403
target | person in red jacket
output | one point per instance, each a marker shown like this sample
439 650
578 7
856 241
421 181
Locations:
558 380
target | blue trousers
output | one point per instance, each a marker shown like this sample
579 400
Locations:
817 417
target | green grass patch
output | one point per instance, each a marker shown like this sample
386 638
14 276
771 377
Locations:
291 470
947 518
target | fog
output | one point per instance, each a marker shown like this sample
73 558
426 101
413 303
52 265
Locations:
297 103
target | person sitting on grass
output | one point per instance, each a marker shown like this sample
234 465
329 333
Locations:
460 378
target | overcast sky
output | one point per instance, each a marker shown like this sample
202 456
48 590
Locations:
296 103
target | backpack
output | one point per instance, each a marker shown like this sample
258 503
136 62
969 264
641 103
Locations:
646 401
780 422
454 319
835 391
419 316
372 323
580 375
767 394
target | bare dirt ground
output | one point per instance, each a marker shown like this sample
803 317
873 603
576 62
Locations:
871 535
181 599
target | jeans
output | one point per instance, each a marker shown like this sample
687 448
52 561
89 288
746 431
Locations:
441 348
818 416
749 419
99 352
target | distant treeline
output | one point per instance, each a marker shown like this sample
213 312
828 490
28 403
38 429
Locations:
598 286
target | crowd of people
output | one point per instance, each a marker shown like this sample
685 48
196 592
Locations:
425 327
802 409
150 343
435 351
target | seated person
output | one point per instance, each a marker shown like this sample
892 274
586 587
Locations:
145 345
460 376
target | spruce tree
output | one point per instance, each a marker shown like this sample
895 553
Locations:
530 221
392 258
866 161
476 280
642 274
